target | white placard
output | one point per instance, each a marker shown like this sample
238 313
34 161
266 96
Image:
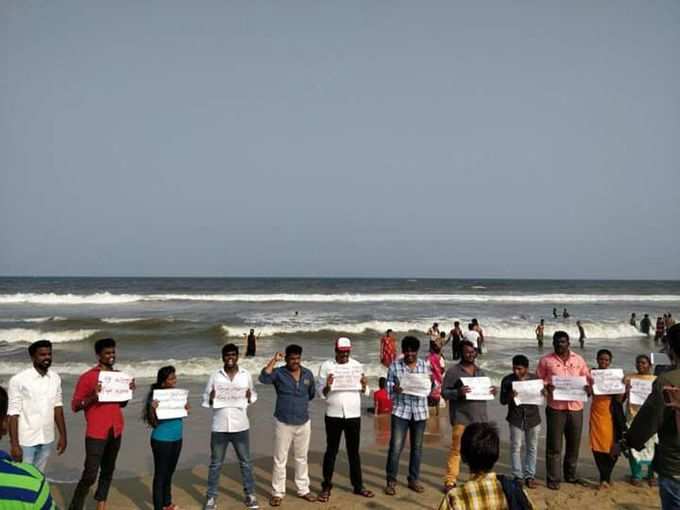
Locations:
640 390
418 385
569 388
230 395
171 403
346 377
608 382
660 358
115 386
529 392
480 388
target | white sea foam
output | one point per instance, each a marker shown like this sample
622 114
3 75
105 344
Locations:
35 319
15 335
121 320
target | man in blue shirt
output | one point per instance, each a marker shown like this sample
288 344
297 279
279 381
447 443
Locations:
294 386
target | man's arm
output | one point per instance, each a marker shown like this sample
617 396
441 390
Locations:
506 390
649 418
14 408
312 388
450 385
209 392
61 427
84 395
266 376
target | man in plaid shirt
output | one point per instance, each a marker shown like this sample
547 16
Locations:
409 413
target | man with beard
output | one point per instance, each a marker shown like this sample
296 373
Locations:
104 427
35 405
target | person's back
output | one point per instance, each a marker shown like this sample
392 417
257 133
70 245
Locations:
22 486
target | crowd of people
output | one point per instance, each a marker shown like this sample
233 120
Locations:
648 433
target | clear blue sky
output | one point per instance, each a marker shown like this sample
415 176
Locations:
353 138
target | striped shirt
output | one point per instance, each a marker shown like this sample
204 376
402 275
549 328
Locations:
483 492
407 407
22 486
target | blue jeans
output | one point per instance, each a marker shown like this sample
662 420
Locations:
219 441
416 429
669 490
37 455
526 467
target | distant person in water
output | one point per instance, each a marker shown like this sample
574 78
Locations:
633 321
478 329
251 341
540 331
455 337
565 314
388 349
433 332
660 329
441 341
646 324
554 313
669 322
472 336
581 335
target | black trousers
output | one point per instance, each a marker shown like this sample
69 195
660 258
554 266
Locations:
567 425
165 457
334 430
99 454
605 465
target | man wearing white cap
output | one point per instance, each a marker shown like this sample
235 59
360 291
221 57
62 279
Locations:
341 382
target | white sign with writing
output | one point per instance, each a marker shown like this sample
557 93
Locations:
529 392
418 385
171 403
608 382
115 386
640 390
230 395
660 358
480 388
569 388
346 377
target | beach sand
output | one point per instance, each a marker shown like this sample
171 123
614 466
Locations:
131 488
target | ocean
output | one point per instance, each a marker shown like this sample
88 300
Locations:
185 321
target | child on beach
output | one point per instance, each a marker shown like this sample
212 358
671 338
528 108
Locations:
381 399
643 458
607 425
166 441
437 366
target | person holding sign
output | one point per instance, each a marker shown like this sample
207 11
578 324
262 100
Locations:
294 385
166 439
607 424
104 429
564 417
462 410
341 382
643 458
228 393
409 382
524 421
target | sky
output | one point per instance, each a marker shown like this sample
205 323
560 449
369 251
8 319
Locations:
527 139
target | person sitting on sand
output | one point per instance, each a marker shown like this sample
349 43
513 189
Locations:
480 449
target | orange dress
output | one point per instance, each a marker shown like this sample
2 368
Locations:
601 424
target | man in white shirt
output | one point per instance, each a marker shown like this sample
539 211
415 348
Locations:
472 336
341 382
35 405
229 392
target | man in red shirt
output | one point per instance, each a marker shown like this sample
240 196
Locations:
388 349
104 427
563 417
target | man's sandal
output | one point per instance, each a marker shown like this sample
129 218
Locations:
324 496
364 493
275 501
308 497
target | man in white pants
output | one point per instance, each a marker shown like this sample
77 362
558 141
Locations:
294 386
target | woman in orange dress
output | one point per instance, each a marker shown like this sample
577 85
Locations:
607 424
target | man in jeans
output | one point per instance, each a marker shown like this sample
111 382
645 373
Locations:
462 412
564 417
233 387
104 428
35 405
524 421
659 414
343 415
294 386
409 413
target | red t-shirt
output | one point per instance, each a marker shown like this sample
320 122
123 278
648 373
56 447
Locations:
101 417
382 402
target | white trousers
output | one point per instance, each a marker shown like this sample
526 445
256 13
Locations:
299 436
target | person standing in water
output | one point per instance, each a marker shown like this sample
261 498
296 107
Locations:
554 313
581 335
251 341
565 314
633 321
540 331
660 329
645 325
455 337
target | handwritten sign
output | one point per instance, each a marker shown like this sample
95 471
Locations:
529 392
480 388
608 382
347 377
418 385
115 386
660 358
230 395
171 403
640 390
570 388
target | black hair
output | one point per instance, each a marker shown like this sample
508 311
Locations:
643 356
520 360
456 323
104 343
433 345
40 344
4 400
558 335
435 324
162 376
480 447
382 382
389 331
410 343
293 350
604 351
467 343
471 326
229 348
673 339
442 334
474 321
